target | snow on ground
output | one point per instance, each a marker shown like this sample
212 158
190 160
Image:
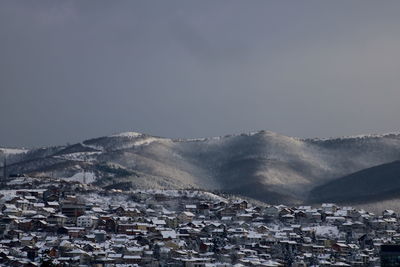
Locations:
80 156
7 194
360 136
100 148
20 181
13 151
146 141
127 134
88 177
186 193
139 139
326 231
105 201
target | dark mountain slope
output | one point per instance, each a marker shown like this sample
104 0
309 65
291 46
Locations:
372 184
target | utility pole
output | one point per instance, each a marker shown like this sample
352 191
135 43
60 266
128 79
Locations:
4 180
84 176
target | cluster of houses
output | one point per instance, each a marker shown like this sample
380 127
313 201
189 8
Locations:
52 222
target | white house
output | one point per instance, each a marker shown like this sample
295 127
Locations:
85 221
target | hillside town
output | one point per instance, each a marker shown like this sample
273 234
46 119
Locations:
54 222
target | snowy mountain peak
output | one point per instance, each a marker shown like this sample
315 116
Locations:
127 134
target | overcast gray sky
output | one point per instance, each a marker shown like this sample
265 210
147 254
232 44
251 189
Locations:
71 70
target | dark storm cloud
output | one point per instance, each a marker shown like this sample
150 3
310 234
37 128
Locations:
76 69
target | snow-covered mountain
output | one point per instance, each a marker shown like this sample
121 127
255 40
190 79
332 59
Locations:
263 165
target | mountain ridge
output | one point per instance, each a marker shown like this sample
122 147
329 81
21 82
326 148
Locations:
368 184
265 165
